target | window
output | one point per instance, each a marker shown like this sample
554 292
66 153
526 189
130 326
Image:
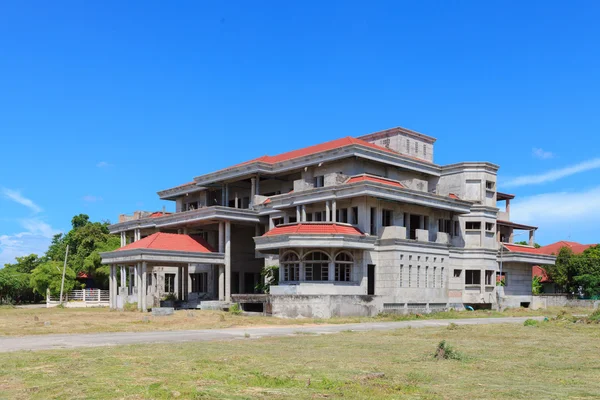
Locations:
341 215
277 221
457 273
409 275
355 215
501 279
426 276
424 150
290 265
169 283
387 217
343 267
293 219
442 277
319 216
473 225
199 282
434 272
401 275
472 277
316 266
489 226
309 217
416 147
319 181
246 202
489 185
418 276
444 225
408 146
373 227
489 278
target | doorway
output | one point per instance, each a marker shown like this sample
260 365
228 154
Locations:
370 279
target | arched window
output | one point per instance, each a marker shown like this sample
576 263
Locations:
290 266
343 267
316 266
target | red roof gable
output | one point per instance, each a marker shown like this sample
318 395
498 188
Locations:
376 179
517 248
171 241
541 272
315 228
554 248
158 214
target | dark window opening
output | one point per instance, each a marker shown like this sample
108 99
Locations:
472 277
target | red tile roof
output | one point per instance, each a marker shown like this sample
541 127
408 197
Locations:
376 179
158 214
518 248
554 248
453 196
541 272
319 148
315 228
171 241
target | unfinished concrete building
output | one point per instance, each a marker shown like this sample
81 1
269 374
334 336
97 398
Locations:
357 226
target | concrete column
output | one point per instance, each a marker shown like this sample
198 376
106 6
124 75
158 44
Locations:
271 223
111 287
511 237
123 277
223 194
226 195
123 239
185 230
186 281
177 283
138 284
333 210
298 214
236 202
144 287
532 237
252 190
221 290
227 261
221 237
257 184
303 213
130 283
137 235
327 211
508 208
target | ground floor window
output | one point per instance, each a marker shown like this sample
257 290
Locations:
169 283
290 267
343 267
316 266
199 282
472 277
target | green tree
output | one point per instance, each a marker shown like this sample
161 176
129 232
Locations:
564 270
14 286
526 243
25 264
587 267
536 285
48 275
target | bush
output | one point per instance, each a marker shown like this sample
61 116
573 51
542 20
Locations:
530 322
452 326
595 316
445 352
130 307
235 309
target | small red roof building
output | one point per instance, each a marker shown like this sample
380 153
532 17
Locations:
314 228
171 242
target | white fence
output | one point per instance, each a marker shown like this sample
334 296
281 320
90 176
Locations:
80 299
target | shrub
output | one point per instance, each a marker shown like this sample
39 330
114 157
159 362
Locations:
595 316
235 309
452 326
130 307
445 352
530 322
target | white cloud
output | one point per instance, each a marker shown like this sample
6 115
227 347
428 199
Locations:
91 199
541 153
553 175
103 164
35 239
566 209
17 197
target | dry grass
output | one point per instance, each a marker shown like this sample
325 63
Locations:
555 360
19 322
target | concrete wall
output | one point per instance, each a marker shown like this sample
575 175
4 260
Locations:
324 306
544 301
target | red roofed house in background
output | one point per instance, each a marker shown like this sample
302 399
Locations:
356 225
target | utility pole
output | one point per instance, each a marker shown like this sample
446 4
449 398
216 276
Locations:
62 283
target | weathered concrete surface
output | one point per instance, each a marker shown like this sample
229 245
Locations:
50 342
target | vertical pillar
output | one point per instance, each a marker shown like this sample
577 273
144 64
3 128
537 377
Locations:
123 276
298 214
221 290
236 204
221 237
333 210
271 223
226 195
111 287
227 261
511 237
138 284
508 209
130 283
532 237
257 184
123 239
186 282
144 287
252 190
303 212
177 282
327 211
185 230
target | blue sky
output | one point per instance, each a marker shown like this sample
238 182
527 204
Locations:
104 103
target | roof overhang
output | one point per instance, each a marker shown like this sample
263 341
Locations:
366 188
272 244
504 196
527 258
517 226
355 150
205 214
160 256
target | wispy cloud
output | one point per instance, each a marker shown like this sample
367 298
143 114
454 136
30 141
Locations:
35 239
553 175
103 164
558 208
91 199
541 153
17 197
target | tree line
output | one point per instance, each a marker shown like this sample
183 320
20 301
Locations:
29 277
577 273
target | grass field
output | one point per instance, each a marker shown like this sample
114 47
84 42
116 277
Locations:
553 360
18 321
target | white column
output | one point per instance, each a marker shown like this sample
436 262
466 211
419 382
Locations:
130 283
221 290
186 281
221 237
138 284
236 201
252 190
333 211
303 213
111 287
257 184
144 287
532 237
298 214
327 211
123 239
123 276
271 223
227 261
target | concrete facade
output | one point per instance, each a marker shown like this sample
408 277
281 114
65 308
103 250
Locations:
429 235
